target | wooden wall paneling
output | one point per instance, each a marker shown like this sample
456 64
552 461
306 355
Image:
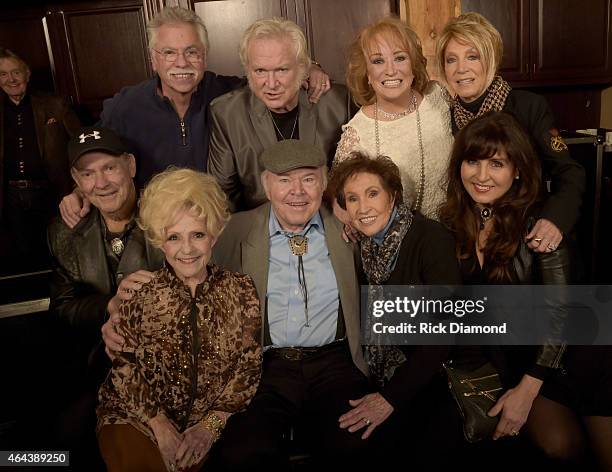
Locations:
22 32
572 40
427 19
226 21
104 47
332 26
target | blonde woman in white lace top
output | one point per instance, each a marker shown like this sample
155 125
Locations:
404 115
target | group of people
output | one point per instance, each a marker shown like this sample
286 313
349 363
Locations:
230 303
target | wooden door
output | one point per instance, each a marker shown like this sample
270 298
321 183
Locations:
99 47
23 32
570 41
511 18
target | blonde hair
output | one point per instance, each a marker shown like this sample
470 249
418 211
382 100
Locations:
181 190
395 32
276 28
475 30
174 16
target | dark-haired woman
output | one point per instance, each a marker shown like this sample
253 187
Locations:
493 194
469 53
398 247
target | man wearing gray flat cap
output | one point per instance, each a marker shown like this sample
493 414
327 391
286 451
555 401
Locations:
305 277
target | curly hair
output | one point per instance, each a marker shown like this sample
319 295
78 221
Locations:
395 32
494 132
358 163
174 191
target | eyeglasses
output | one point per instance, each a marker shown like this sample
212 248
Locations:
171 55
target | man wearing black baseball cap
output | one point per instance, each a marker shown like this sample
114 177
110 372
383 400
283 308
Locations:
89 261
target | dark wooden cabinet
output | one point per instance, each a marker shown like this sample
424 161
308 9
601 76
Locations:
511 18
97 48
551 42
329 26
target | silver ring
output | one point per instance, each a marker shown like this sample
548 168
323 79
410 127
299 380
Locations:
367 421
552 247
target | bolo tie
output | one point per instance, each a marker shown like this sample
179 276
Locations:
299 247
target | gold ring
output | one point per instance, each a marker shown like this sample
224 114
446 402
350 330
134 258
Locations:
514 432
537 240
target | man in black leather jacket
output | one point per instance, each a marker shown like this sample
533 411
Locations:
89 262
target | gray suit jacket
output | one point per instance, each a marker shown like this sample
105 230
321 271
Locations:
244 246
241 129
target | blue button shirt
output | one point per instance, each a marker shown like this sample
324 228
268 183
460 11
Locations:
286 316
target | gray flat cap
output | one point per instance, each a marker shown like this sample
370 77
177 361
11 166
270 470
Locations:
291 154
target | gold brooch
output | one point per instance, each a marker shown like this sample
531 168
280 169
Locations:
557 144
298 245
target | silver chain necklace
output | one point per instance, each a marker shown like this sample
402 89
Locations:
421 188
279 131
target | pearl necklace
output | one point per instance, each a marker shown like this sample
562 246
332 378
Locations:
394 115
421 188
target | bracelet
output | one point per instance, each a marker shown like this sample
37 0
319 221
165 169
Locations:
214 424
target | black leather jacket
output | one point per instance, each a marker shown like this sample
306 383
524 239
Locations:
549 268
81 285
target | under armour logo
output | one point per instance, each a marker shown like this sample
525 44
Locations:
83 137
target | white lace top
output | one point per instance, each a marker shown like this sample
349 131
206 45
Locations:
399 141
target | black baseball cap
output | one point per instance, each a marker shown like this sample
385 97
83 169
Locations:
95 138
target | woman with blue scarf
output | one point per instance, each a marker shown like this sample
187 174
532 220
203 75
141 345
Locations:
398 247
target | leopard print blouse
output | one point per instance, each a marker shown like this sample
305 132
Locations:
165 368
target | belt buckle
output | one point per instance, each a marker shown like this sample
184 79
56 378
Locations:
292 354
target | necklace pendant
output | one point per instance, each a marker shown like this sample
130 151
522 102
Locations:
117 246
298 245
485 215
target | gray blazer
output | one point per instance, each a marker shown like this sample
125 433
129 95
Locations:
241 129
244 246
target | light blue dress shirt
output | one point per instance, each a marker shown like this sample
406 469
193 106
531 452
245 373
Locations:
286 316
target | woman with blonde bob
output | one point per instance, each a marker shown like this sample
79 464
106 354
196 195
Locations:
191 356
469 53
403 114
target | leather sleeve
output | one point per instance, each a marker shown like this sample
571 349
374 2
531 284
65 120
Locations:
554 269
72 300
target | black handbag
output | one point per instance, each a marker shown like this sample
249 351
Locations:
475 392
